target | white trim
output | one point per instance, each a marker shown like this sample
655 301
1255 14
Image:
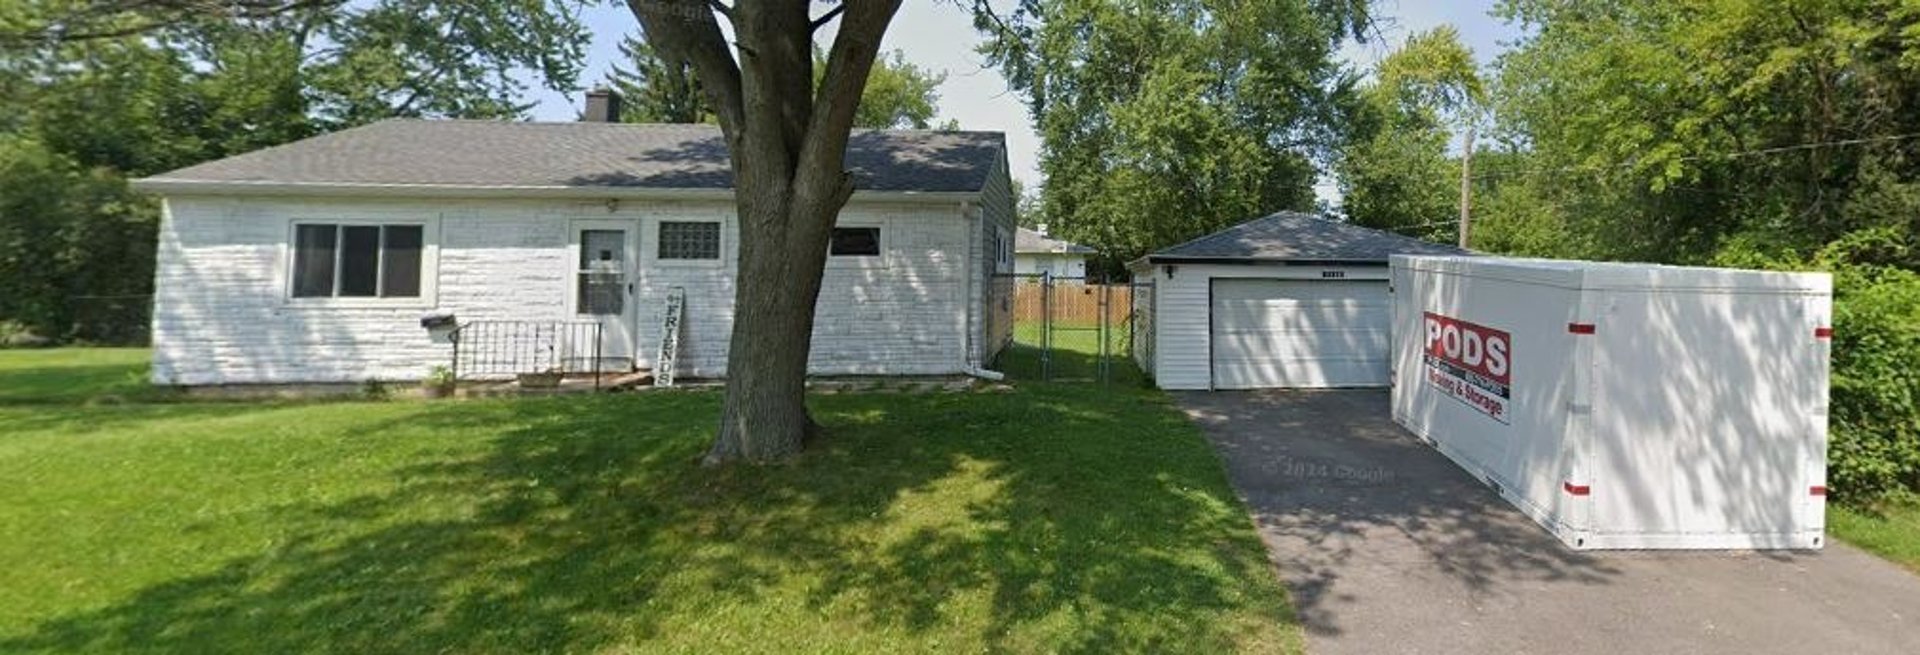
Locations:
630 310
369 190
429 262
633 243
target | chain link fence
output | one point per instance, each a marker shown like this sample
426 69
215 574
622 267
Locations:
1071 329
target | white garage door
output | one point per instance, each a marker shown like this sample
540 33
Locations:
1299 333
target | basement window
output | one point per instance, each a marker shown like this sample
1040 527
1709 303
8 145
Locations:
357 261
855 242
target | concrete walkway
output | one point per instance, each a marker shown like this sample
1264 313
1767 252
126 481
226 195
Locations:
1387 547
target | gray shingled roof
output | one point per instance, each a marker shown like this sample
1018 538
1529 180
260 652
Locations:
464 153
1293 236
1025 240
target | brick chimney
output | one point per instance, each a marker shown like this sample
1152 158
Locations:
603 106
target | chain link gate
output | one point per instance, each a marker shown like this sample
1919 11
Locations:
1069 328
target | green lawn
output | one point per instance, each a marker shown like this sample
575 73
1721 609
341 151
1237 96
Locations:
1075 355
1892 533
74 376
1047 518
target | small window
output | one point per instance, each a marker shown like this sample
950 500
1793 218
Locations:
855 242
357 261
689 240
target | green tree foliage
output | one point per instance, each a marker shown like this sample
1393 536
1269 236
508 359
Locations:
1161 121
1394 171
655 91
898 94
68 235
98 92
1771 133
1026 205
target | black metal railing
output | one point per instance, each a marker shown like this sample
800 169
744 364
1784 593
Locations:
500 350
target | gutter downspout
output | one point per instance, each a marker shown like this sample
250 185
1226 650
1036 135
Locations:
976 224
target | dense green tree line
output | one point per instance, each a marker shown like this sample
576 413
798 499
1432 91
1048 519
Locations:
1162 121
92 95
1754 133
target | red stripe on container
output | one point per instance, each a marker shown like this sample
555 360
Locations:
1817 490
1577 489
1823 333
1580 328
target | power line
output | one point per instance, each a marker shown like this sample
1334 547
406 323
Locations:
1724 155
1398 228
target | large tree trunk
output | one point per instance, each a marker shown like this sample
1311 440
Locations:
782 256
788 145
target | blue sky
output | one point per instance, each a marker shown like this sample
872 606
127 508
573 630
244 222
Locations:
937 34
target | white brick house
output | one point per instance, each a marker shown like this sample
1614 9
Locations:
316 261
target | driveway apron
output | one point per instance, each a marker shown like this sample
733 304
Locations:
1388 547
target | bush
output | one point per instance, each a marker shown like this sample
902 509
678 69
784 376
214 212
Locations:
1874 424
76 248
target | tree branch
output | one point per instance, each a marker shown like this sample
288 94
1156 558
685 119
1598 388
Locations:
828 17
849 62
685 32
106 19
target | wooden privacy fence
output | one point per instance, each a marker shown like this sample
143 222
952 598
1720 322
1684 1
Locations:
1068 329
1073 301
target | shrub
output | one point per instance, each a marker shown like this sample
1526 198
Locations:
76 248
1874 423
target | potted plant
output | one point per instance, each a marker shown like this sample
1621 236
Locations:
547 379
438 383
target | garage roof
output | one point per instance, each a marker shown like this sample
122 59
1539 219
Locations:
477 154
1298 237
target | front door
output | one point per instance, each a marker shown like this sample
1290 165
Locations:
605 256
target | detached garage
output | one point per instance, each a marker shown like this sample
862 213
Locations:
1289 300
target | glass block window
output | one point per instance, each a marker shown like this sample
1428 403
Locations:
855 242
689 240
357 261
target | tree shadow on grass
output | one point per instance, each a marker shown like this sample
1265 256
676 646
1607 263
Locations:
1022 362
1031 520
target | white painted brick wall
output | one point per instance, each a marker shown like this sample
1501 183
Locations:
222 316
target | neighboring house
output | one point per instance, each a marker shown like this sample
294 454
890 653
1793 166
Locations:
1289 300
315 261
1034 252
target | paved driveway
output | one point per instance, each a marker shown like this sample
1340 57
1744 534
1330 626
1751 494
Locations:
1387 547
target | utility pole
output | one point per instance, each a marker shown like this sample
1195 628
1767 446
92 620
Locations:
1466 186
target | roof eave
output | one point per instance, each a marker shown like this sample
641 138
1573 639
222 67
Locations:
178 187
